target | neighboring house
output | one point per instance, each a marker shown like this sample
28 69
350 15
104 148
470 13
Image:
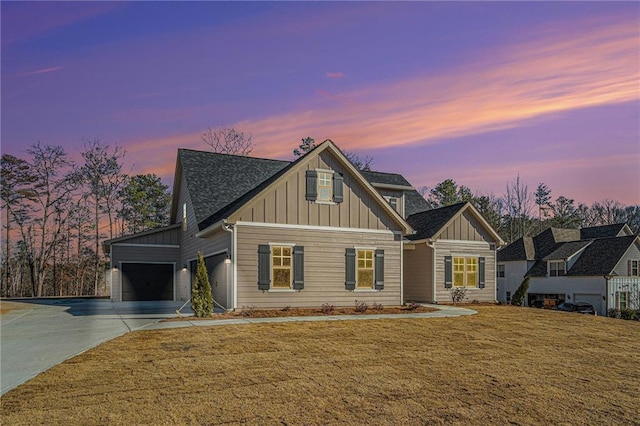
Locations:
597 265
273 233
453 246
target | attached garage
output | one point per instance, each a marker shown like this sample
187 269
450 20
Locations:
595 300
147 281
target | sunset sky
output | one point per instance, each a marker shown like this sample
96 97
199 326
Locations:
474 91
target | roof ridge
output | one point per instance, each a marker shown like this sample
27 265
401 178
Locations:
233 155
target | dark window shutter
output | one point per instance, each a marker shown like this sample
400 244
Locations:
338 181
350 269
379 266
448 271
264 267
298 267
312 185
481 281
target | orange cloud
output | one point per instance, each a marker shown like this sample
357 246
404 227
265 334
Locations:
551 75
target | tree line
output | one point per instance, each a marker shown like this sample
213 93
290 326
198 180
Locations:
523 212
58 211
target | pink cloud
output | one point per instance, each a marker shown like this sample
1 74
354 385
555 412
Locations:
40 71
335 74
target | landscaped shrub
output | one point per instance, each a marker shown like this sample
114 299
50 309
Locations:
248 311
458 294
326 308
412 306
521 292
361 306
625 314
201 297
377 306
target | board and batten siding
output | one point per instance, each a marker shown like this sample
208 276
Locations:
465 227
216 243
287 203
141 254
324 266
622 268
458 248
164 237
418 273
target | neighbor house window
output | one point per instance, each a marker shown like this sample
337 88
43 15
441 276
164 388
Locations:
393 201
465 271
281 266
500 272
556 269
508 297
364 269
634 268
622 299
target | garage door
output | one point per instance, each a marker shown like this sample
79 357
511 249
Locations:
594 299
147 281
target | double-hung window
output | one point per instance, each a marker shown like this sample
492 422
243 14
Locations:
325 187
634 268
622 299
557 268
500 271
365 269
465 272
281 267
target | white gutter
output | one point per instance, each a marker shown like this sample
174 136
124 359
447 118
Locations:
210 229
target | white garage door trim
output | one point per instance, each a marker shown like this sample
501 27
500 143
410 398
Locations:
593 298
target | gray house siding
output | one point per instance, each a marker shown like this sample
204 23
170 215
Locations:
418 273
129 253
466 249
218 242
622 268
324 266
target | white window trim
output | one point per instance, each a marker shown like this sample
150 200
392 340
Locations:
477 286
371 289
637 268
276 289
318 200
564 268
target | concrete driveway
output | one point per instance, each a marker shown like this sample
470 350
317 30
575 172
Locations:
44 333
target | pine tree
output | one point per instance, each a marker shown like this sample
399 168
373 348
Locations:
521 292
201 298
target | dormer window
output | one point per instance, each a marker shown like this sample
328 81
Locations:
393 201
324 186
557 268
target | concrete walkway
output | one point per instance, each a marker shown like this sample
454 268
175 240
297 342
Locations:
46 332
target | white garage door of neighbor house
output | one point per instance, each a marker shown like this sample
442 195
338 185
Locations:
594 299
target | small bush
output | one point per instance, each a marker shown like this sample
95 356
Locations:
286 308
458 294
475 302
377 306
412 306
521 292
248 311
361 306
326 308
628 314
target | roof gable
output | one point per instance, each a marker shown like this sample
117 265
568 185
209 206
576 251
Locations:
567 250
277 171
431 223
605 231
602 255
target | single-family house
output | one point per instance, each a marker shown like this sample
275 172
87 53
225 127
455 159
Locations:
273 233
597 265
453 247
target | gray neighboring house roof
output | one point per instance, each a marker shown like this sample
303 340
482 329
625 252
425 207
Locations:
601 256
520 249
603 231
413 201
216 181
385 178
428 223
566 250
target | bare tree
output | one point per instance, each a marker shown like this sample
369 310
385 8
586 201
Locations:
362 163
306 145
518 202
227 140
102 176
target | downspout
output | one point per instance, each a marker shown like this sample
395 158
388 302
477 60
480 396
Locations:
431 243
234 293
111 272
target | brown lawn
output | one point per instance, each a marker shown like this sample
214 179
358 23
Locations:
504 365
6 307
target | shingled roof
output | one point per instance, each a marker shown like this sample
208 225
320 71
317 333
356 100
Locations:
567 250
217 180
603 231
520 249
601 256
384 178
428 223
413 201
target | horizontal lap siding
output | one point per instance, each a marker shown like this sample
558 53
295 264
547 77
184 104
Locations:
466 249
418 274
324 267
140 254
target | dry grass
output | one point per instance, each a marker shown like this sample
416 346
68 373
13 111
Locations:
504 365
6 307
